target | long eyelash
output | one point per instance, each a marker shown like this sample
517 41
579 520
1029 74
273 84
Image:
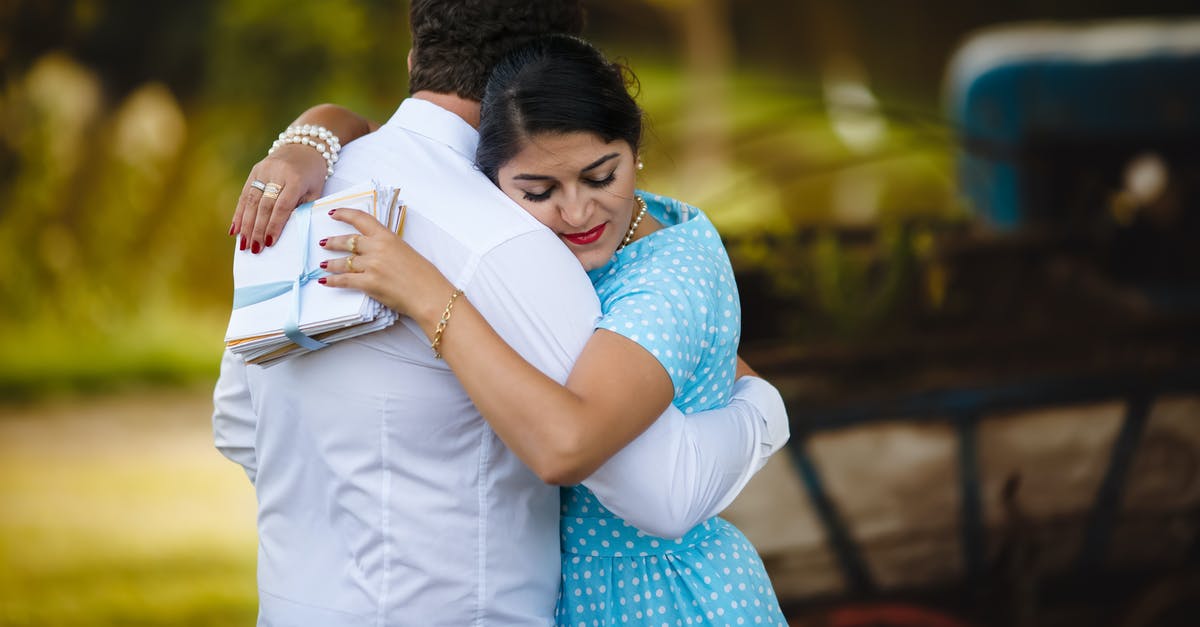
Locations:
605 182
537 197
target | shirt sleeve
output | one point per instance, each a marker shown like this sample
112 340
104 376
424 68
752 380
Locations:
234 421
537 297
684 470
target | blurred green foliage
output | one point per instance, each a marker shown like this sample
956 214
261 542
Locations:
128 129
121 154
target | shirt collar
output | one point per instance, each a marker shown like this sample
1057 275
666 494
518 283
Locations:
429 120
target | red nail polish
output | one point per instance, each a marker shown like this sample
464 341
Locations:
331 211
232 226
242 245
324 264
322 243
270 240
321 280
255 247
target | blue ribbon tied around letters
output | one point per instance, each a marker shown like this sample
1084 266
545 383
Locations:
251 294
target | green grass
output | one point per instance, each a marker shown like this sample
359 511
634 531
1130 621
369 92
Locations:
44 358
118 511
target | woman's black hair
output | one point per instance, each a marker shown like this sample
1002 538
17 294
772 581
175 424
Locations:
554 84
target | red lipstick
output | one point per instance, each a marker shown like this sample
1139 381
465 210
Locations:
587 237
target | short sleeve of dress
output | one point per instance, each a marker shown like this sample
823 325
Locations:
674 294
657 311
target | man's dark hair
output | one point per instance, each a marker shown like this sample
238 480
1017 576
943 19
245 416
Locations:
455 43
554 84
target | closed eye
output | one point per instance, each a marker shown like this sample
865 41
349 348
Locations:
538 197
604 182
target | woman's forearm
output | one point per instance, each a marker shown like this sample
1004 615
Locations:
615 389
342 122
562 432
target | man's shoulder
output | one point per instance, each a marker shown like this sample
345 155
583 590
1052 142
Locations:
439 186
476 215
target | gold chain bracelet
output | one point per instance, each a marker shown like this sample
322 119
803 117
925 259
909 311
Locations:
436 344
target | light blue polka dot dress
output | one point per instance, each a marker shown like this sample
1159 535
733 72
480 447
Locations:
672 292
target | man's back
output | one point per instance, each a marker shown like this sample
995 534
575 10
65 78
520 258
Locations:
384 498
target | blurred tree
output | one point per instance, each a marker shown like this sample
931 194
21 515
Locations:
127 130
708 48
125 42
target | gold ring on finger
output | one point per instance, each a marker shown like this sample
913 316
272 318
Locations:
353 244
271 190
350 263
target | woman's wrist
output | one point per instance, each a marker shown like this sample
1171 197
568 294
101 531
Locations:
322 140
435 341
428 308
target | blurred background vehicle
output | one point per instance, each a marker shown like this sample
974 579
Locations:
1023 443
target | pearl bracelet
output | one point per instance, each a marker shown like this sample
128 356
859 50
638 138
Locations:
319 137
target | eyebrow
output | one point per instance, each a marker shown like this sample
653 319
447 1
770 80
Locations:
541 177
598 162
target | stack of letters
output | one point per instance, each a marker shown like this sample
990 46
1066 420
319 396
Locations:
279 308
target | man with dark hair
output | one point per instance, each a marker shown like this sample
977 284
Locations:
455 45
383 496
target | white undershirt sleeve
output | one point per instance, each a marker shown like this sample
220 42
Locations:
685 469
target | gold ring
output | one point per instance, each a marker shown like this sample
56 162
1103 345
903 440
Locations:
353 244
350 263
272 190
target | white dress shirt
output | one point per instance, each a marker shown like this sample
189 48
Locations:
384 497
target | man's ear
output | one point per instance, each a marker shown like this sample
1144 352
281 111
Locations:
410 51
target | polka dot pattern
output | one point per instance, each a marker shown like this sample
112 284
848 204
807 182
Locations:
673 293
711 576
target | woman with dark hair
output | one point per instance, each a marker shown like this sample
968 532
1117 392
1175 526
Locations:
559 134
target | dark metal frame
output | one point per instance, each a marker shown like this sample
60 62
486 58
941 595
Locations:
964 408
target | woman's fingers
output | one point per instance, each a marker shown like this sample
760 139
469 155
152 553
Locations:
351 280
280 215
356 272
380 264
256 220
269 225
247 204
364 222
291 175
264 181
353 264
354 244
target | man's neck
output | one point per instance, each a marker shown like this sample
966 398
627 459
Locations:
466 109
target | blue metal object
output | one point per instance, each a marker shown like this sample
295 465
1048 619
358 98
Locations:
1037 103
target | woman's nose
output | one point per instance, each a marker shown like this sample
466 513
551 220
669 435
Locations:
575 210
